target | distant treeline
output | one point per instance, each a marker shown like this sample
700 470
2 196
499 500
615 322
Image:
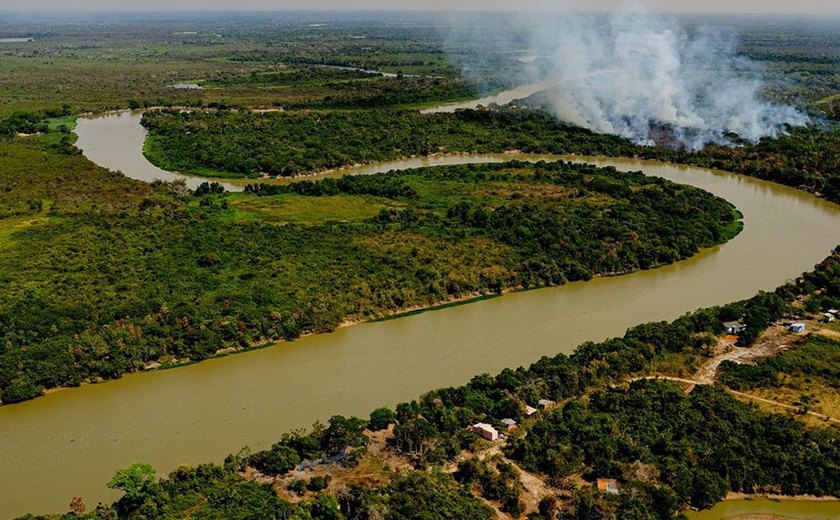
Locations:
387 92
388 186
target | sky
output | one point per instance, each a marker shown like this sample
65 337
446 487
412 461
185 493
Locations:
702 6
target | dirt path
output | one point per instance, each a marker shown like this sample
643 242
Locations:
535 490
772 342
692 383
380 449
828 333
783 405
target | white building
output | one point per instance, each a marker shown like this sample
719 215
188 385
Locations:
797 328
485 431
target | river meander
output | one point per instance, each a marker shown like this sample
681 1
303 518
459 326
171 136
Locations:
70 442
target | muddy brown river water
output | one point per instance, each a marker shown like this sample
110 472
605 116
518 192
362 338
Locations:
70 442
762 509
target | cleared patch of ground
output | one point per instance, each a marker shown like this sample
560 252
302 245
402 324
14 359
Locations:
812 399
293 209
10 226
773 341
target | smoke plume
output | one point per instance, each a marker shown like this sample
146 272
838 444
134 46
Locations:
638 75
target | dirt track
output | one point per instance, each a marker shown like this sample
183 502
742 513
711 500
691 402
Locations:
772 342
693 382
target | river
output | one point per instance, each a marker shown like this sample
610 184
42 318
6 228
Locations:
763 509
505 97
70 442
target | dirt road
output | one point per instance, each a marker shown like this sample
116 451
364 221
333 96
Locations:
694 382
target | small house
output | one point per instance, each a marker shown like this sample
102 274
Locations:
530 410
797 328
828 317
510 424
608 485
485 431
545 403
734 327
834 312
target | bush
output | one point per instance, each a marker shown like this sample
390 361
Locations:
209 259
21 390
380 419
318 482
276 461
298 486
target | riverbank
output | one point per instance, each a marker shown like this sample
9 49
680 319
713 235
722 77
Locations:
775 497
582 400
228 142
212 144
246 399
773 508
421 239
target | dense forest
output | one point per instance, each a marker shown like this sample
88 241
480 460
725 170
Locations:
805 158
104 278
696 448
386 92
286 144
668 450
336 87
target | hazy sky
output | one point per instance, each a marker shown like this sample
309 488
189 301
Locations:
706 6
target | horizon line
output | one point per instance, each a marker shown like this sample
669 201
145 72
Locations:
228 11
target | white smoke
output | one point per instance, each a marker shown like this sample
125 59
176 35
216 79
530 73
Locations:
635 73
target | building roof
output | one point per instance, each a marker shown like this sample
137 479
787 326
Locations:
484 426
604 483
508 421
733 324
608 485
530 410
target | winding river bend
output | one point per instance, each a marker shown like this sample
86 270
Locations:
70 442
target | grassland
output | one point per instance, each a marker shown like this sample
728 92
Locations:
292 209
139 62
806 376
12 225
